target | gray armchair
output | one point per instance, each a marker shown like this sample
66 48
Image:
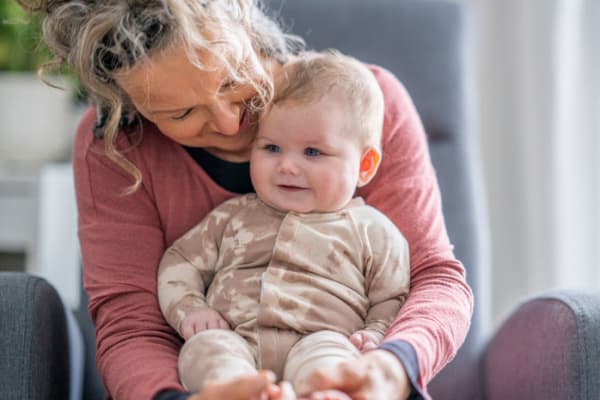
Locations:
549 349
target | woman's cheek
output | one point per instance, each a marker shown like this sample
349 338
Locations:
178 130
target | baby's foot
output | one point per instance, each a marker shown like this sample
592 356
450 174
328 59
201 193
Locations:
329 395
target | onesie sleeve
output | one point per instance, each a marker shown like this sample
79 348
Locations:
387 272
188 266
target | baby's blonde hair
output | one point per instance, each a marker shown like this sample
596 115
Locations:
332 76
102 38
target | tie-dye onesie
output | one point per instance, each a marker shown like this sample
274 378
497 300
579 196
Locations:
292 286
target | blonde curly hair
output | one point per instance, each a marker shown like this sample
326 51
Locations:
101 37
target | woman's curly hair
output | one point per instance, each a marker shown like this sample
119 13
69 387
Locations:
101 37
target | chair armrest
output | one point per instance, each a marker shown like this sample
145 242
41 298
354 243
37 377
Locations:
549 349
34 355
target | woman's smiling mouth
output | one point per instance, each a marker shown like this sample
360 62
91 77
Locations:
244 119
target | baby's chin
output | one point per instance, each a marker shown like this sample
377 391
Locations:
291 208
308 210
282 205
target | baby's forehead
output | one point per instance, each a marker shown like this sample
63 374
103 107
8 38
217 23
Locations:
308 99
329 113
316 107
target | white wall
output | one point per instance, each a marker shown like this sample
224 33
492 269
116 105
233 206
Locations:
538 89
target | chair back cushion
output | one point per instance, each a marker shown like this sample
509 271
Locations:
426 45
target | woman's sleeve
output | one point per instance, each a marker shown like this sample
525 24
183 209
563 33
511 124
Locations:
122 243
434 321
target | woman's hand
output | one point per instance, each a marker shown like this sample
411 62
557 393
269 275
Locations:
252 387
200 320
375 375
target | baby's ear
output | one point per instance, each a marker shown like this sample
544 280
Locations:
369 162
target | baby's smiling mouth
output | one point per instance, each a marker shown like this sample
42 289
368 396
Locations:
291 187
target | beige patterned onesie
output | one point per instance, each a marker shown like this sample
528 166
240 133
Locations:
292 286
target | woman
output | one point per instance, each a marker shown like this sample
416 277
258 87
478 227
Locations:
178 85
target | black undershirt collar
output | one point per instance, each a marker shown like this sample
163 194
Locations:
231 176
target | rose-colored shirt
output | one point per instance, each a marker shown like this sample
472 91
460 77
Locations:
124 236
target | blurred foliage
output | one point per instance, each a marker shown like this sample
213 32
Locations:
21 47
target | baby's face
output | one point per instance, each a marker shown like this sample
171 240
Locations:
303 158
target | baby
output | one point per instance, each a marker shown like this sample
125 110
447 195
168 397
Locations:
302 274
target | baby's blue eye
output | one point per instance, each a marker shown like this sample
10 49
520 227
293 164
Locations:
273 148
311 152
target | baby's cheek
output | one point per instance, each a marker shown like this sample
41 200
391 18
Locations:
340 189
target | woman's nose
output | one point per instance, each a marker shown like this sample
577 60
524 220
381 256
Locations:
226 118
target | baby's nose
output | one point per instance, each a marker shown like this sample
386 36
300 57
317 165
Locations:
288 166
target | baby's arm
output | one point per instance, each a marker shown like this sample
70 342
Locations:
183 277
387 279
187 269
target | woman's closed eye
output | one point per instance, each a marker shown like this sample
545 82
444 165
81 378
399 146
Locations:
183 115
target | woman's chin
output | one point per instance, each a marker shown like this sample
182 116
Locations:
230 153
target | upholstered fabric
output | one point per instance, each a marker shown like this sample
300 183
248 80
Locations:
549 348
34 355
427 45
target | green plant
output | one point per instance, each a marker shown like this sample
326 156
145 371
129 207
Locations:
21 48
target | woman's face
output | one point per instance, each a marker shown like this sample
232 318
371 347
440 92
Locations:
193 107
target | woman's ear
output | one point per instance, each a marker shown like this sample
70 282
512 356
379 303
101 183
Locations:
369 162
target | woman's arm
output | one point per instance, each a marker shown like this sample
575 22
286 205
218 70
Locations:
122 242
436 316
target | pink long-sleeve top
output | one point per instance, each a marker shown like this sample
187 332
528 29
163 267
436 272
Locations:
124 236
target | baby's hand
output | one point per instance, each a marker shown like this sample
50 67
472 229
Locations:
200 320
365 339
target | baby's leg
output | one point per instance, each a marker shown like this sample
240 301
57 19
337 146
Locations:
214 354
317 350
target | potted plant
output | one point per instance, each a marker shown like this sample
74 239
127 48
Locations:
36 120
